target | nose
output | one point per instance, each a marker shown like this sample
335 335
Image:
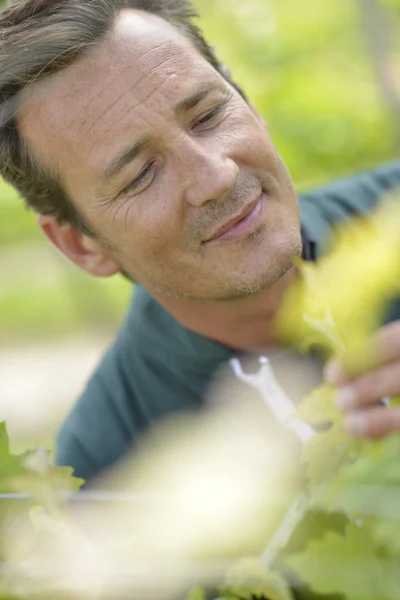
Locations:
207 173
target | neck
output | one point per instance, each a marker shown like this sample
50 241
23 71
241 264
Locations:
243 324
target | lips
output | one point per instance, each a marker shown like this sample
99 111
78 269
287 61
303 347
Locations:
245 212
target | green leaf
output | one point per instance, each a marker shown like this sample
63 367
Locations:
313 526
379 462
319 407
10 465
25 473
395 401
325 452
41 479
387 533
249 580
369 487
196 594
351 565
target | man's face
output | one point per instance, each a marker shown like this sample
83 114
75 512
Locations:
162 157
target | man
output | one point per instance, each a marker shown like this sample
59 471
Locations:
127 136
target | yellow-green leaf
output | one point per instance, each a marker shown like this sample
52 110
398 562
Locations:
249 580
319 407
351 565
324 453
196 594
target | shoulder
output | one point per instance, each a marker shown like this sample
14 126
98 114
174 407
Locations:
321 208
101 425
150 371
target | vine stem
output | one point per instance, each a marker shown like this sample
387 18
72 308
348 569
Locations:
265 382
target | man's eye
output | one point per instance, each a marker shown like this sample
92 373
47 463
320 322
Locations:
144 179
210 117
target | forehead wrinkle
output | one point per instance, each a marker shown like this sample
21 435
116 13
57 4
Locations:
94 95
157 86
120 98
135 107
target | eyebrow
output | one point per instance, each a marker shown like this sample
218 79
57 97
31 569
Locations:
189 102
196 96
125 158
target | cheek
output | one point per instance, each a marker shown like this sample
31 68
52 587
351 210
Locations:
251 139
149 226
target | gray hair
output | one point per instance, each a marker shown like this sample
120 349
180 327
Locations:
39 38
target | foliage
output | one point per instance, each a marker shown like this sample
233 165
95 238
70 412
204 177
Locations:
249 581
344 540
74 301
324 111
340 538
44 485
336 308
18 224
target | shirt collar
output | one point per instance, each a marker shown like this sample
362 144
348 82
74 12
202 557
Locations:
309 253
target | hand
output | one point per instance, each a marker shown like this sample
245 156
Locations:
357 395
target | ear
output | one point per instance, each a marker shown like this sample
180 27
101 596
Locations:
81 249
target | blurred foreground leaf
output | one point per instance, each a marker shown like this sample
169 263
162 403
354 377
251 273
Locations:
249 580
351 565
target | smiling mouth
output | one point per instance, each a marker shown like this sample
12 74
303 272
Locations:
239 226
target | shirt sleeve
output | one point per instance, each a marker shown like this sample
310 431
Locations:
143 378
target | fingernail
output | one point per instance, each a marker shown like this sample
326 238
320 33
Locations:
333 373
346 398
357 424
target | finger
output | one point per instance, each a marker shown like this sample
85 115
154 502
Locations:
385 347
370 387
374 423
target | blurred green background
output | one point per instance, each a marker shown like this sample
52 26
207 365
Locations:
324 75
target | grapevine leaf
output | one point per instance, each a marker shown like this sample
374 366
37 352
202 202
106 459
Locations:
59 479
358 500
324 453
26 473
10 465
319 407
339 308
49 485
351 565
360 487
196 594
249 580
263 592
313 526
379 462
394 401
387 533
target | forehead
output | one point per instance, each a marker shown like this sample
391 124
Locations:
142 64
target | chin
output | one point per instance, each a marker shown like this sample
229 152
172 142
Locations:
239 287
275 261
264 267
262 283
251 273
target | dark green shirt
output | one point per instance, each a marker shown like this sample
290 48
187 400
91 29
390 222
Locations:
156 367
